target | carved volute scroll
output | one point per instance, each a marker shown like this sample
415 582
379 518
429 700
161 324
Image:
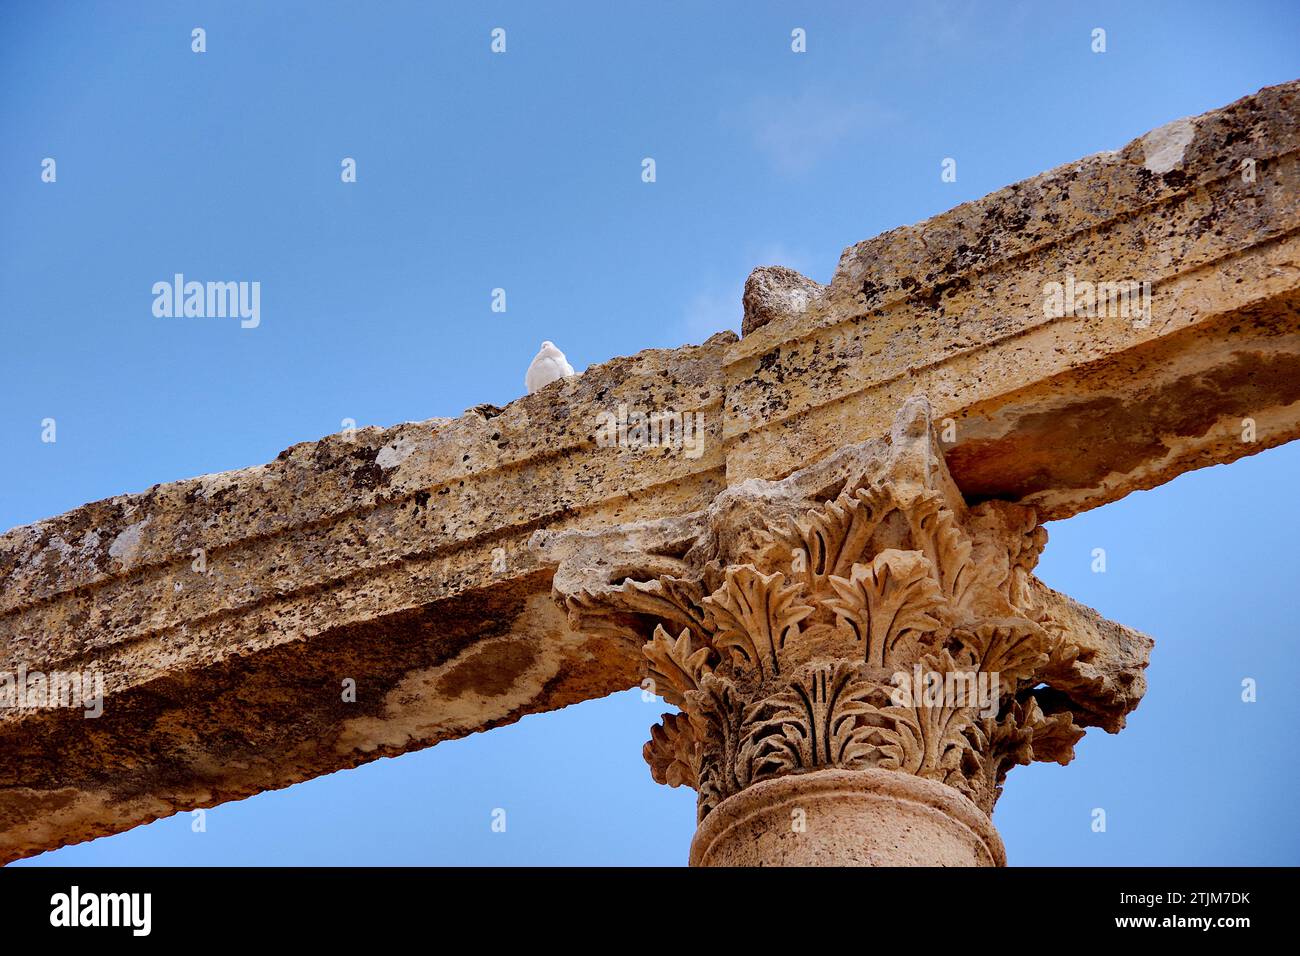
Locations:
786 620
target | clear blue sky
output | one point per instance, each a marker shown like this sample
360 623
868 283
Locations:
522 171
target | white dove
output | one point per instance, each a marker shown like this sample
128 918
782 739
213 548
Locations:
548 366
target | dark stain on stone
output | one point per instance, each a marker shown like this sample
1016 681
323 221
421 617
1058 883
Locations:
369 477
491 671
1079 445
276 712
871 289
934 298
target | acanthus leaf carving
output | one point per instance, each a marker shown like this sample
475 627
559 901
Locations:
673 752
929 739
814 722
675 667
754 615
614 610
1013 648
831 538
1020 736
715 712
888 602
937 534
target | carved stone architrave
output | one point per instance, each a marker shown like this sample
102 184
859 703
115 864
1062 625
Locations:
857 615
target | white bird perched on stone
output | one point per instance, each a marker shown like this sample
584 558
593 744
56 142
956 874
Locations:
548 365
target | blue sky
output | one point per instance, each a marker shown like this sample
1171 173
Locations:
522 171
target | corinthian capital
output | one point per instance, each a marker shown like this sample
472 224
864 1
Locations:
855 616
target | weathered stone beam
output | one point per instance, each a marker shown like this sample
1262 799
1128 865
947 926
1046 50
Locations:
1064 413
399 558
396 558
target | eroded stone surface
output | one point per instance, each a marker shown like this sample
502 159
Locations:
775 292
